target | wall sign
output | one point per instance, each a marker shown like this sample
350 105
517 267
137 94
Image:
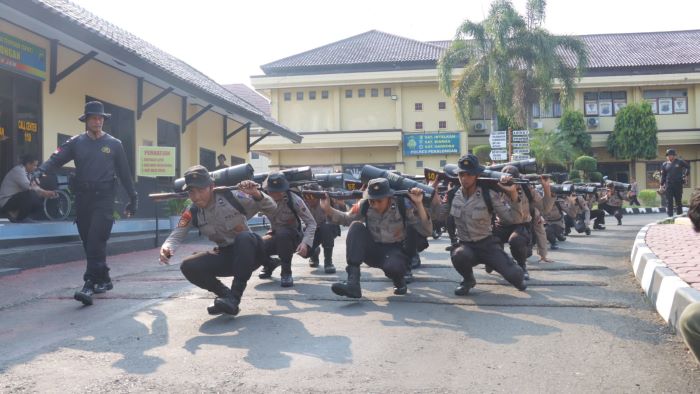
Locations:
431 144
154 161
22 57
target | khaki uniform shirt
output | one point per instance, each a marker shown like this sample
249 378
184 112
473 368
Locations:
282 216
388 227
613 199
318 214
521 214
553 215
221 222
472 217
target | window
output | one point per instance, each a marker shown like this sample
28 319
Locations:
443 163
287 96
254 155
348 93
480 111
667 102
418 106
374 92
300 96
312 95
442 124
603 103
419 163
551 109
360 93
387 92
324 94
207 158
419 125
442 105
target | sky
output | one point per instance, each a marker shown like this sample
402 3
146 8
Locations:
228 40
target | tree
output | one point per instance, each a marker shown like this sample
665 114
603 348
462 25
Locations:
634 135
549 149
482 152
509 62
572 128
586 165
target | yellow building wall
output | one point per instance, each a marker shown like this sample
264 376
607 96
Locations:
429 96
316 157
307 115
366 113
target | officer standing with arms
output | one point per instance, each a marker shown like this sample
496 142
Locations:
472 206
378 226
222 216
673 173
286 236
99 159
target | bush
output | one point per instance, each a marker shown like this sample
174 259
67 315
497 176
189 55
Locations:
482 152
586 164
596 177
648 198
177 206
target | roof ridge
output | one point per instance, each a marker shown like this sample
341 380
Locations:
632 33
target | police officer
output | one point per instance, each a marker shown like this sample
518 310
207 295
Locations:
285 236
611 202
472 206
325 234
99 159
554 226
222 216
377 232
673 173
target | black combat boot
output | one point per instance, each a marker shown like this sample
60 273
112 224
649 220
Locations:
466 285
328 266
266 272
103 287
400 287
415 261
526 275
561 237
286 280
85 294
221 292
408 276
229 305
313 259
351 287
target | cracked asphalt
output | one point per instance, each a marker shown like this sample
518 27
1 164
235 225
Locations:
582 326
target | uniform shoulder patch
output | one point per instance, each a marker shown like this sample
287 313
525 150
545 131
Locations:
185 219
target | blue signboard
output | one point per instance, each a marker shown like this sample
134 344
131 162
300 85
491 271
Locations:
431 144
22 57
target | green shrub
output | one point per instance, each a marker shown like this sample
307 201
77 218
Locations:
482 152
595 176
585 164
648 197
177 205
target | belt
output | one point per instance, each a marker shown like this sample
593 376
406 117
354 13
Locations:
94 186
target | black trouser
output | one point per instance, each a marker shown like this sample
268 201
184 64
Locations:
415 242
451 228
239 260
489 252
283 242
325 236
25 203
612 210
361 248
95 217
634 200
553 230
598 217
518 237
674 194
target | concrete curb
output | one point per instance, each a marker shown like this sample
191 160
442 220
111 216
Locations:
668 292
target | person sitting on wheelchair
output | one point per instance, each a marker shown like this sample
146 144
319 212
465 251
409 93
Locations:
20 197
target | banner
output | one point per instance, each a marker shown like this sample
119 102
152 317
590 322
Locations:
153 161
22 57
431 144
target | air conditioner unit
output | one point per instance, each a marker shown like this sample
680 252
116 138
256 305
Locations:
592 122
536 124
479 126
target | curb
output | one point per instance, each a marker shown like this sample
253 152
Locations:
668 292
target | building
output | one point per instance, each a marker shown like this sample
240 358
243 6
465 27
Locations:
55 56
365 98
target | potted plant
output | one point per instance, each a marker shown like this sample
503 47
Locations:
175 208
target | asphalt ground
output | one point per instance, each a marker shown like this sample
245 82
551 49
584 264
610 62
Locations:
583 325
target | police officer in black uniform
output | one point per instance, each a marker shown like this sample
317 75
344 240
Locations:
673 172
99 159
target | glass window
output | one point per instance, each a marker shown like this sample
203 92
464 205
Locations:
287 96
443 163
254 155
667 102
374 92
419 163
603 103
360 93
324 94
442 124
387 92
419 106
207 158
312 95
442 105
300 96
348 93
419 125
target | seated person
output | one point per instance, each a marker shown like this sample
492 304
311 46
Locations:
20 197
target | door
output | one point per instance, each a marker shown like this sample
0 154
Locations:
169 135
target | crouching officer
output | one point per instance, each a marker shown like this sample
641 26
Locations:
99 159
285 236
378 233
611 202
325 233
472 206
222 216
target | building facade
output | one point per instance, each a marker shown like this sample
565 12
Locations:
56 56
363 100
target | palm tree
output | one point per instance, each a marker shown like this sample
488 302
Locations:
510 62
549 148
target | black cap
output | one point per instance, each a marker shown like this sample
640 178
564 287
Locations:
276 182
470 164
512 170
670 152
197 176
94 108
451 171
379 188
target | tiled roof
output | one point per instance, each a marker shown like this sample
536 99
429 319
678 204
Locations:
372 47
96 27
606 51
250 96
